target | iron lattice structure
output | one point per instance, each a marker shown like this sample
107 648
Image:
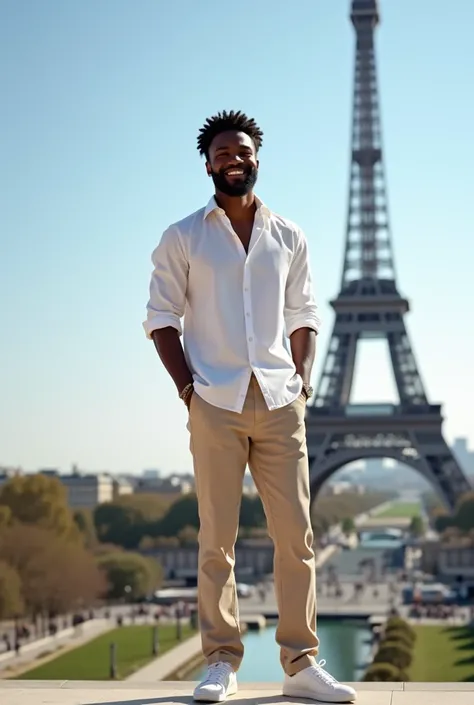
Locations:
369 305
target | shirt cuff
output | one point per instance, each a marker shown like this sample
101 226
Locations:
162 320
306 320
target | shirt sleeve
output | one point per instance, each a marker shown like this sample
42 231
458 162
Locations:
168 284
301 310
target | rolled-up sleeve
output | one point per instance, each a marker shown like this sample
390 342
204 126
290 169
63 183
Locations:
168 284
301 310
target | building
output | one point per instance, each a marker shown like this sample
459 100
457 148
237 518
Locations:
451 563
85 490
254 558
337 487
7 473
173 484
121 487
152 474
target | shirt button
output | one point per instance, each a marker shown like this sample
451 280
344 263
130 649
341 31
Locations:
246 288
247 314
250 339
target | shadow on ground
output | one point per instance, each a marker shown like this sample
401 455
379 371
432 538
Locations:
186 700
464 638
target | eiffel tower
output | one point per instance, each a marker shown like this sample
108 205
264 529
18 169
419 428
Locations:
369 305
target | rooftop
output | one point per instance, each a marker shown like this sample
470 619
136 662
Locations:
170 693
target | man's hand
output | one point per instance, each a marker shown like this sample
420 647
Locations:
303 350
170 350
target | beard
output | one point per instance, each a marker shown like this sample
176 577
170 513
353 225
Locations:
240 187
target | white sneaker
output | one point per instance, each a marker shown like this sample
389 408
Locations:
219 683
317 684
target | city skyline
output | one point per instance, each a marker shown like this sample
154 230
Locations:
95 174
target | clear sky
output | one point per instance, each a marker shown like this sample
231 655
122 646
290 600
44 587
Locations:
101 105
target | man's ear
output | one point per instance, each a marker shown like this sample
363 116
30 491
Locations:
208 168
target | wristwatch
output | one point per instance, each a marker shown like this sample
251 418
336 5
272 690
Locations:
308 390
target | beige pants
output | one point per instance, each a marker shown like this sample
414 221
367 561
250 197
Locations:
273 443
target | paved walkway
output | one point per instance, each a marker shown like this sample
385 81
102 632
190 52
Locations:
126 693
169 663
74 636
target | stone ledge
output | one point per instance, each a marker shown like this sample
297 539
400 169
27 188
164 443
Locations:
179 693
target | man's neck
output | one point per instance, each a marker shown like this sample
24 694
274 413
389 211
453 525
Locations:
237 207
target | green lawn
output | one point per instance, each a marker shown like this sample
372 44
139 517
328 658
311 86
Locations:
91 661
400 510
443 654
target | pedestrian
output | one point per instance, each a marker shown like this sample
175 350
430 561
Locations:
7 642
239 275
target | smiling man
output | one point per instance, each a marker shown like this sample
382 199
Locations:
239 275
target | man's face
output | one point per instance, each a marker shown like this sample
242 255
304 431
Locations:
233 163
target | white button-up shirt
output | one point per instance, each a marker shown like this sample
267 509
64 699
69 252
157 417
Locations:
239 309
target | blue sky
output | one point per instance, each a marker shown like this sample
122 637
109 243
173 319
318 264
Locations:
102 102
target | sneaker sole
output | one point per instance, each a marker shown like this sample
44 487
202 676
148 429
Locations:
215 699
295 693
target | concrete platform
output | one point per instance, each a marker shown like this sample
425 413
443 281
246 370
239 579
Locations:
171 693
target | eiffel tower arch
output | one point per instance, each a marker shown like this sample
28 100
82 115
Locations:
369 305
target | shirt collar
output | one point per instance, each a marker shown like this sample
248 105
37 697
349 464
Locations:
212 206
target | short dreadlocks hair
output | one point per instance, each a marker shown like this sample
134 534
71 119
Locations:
227 121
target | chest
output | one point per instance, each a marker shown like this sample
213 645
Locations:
243 231
227 255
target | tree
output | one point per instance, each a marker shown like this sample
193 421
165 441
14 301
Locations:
462 519
464 516
142 576
119 524
11 600
432 503
252 514
56 575
348 526
320 526
443 522
85 523
150 505
182 513
333 509
150 542
417 527
188 535
384 672
400 636
147 543
452 535
396 653
5 516
401 625
259 532
40 501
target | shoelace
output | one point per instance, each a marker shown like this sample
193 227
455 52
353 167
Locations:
217 673
322 674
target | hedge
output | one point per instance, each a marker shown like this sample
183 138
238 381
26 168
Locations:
394 653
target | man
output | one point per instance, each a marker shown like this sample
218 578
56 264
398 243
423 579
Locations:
239 275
